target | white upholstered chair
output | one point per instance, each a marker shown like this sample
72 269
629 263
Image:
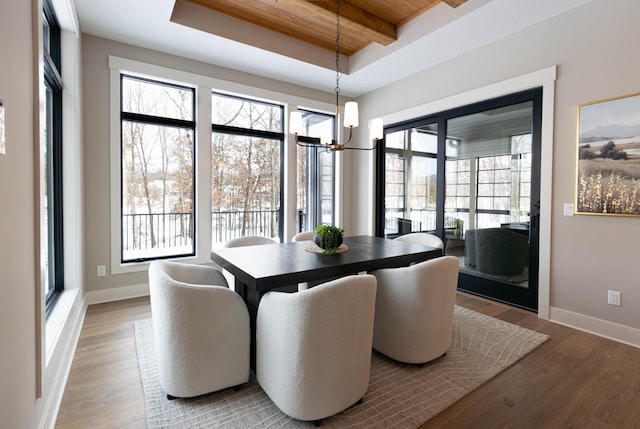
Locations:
249 240
304 236
424 238
313 352
200 327
414 310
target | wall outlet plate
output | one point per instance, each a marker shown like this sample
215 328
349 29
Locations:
102 270
613 297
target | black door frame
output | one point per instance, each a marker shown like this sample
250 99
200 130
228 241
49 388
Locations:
508 293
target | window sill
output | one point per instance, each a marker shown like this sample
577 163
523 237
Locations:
57 320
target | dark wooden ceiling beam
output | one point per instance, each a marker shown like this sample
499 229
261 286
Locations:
353 19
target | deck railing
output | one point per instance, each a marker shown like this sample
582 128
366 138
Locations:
141 232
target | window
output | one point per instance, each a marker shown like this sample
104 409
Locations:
458 188
52 155
246 165
157 169
521 160
411 180
494 190
315 175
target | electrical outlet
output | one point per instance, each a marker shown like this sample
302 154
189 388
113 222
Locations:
102 270
613 297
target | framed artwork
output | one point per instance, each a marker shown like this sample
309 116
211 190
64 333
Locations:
608 170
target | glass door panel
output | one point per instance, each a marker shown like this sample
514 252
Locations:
470 175
488 195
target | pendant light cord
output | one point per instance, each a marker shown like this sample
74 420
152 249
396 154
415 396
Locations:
338 72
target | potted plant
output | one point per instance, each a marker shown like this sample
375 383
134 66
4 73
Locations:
328 238
459 227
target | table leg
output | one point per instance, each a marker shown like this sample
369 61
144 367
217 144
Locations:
251 299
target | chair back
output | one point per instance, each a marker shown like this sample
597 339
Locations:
303 236
249 240
193 358
423 238
314 347
414 309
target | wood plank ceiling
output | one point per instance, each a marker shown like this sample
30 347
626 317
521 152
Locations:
362 22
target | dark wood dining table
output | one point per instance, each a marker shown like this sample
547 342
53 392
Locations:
260 269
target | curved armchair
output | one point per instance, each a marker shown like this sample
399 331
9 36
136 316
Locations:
303 236
414 310
496 251
424 238
313 348
200 327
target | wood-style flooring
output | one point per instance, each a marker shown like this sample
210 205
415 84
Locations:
574 380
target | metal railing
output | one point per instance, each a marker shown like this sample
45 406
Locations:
146 232
156 231
233 224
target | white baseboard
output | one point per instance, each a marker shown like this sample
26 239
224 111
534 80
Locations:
602 328
61 366
116 294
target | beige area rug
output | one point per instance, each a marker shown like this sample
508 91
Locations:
399 395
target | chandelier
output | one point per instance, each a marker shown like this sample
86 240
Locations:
350 115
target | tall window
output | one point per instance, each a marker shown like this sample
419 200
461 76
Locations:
411 180
157 174
458 191
494 190
246 166
52 155
315 175
521 176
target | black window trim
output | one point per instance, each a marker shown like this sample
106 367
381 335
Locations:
53 81
270 135
162 121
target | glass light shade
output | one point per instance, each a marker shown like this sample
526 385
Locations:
351 114
295 123
376 129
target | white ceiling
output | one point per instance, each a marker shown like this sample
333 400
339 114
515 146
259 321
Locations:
437 36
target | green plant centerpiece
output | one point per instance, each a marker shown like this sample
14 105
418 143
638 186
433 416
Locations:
328 238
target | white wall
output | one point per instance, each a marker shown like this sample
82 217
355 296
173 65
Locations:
35 356
17 217
594 48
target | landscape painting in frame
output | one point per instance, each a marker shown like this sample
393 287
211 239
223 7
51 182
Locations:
609 157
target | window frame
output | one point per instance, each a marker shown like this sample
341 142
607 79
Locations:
253 133
53 165
161 122
313 181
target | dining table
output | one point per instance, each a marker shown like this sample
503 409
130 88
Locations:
263 268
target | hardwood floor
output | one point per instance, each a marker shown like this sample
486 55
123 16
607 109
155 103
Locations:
574 380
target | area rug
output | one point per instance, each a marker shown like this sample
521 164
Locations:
399 395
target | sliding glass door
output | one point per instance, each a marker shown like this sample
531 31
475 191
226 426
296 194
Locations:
471 176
